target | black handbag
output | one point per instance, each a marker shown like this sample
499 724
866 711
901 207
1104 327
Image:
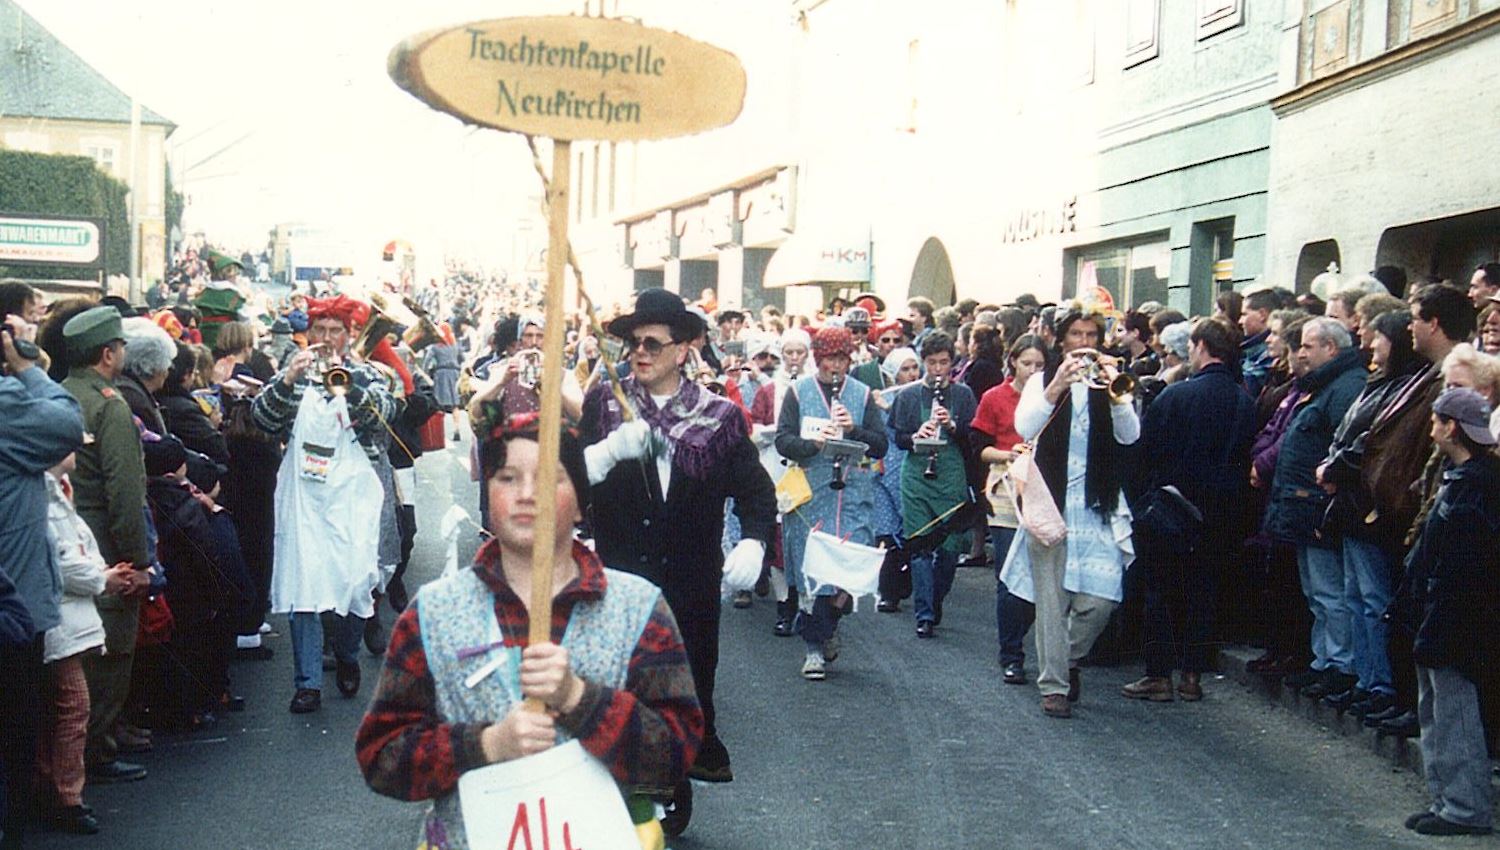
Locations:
1170 521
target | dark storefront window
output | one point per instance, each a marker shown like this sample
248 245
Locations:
1132 274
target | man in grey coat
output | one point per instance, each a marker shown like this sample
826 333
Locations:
42 426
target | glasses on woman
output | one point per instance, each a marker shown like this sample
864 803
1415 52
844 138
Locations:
650 345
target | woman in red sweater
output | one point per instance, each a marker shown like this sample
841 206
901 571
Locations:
994 434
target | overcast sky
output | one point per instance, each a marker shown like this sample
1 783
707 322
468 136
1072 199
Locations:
285 112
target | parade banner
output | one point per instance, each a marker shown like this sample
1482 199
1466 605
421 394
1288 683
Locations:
562 798
572 78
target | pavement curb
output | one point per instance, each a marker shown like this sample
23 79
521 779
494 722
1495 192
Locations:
1401 752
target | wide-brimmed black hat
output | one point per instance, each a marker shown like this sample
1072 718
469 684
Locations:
659 307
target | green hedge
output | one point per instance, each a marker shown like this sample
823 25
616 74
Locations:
66 185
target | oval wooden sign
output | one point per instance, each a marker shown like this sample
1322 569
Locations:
572 78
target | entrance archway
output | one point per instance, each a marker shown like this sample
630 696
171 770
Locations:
932 274
1313 260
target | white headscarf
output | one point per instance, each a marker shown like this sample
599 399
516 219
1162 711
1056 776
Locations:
896 359
794 336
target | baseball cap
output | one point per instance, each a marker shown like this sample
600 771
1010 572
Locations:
1470 410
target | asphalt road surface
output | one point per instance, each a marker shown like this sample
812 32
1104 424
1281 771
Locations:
908 744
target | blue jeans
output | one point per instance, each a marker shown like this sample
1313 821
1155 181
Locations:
307 645
1367 593
1322 572
931 578
1013 615
819 625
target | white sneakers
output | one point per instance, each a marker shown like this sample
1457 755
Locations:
812 667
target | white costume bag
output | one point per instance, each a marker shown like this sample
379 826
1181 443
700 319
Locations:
328 500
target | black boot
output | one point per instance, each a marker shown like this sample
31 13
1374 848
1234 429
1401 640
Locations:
679 810
784 611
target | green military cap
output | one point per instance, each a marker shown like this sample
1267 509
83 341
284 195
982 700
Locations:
91 328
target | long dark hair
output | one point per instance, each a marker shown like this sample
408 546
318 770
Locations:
985 344
1404 360
1022 343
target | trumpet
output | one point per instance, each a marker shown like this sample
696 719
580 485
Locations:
335 378
1107 373
699 371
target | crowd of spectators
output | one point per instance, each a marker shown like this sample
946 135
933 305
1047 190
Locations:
1314 477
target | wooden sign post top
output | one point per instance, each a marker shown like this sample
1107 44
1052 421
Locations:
567 78
572 78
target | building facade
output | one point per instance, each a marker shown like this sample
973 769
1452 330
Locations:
969 148
1380 154
53 102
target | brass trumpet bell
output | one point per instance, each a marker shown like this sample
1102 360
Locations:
336 380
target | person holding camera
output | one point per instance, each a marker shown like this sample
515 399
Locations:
43 426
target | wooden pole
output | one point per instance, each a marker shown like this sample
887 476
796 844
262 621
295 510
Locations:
551 398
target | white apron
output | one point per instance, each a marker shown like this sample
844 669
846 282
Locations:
328 501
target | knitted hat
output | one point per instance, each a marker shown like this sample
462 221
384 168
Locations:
831 342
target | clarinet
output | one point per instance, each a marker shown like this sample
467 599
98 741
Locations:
838 460
939 397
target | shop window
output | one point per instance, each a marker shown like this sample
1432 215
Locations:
1142 31
1131 274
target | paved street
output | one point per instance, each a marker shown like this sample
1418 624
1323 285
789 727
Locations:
907 744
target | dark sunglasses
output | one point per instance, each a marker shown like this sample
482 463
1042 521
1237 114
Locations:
650 345
890 339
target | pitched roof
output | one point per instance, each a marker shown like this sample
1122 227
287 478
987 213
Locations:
45 79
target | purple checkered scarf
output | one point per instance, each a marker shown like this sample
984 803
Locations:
700 427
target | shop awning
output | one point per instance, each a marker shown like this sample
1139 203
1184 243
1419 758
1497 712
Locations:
833 255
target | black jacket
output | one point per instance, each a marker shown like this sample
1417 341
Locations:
188 423
1196 436
676 543
1451 593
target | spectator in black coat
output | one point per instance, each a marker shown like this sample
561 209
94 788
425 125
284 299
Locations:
185 416
1195 437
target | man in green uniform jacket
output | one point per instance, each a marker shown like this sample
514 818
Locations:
109 488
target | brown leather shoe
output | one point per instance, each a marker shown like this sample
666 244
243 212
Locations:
1056 705
1151 688
1075 685
1191 687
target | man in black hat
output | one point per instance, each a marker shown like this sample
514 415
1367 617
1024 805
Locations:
660 483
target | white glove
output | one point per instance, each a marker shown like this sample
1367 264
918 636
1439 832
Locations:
742 567
627 442
763 435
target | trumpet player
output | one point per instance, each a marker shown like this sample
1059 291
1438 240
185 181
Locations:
327 549
932 484
1078 429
